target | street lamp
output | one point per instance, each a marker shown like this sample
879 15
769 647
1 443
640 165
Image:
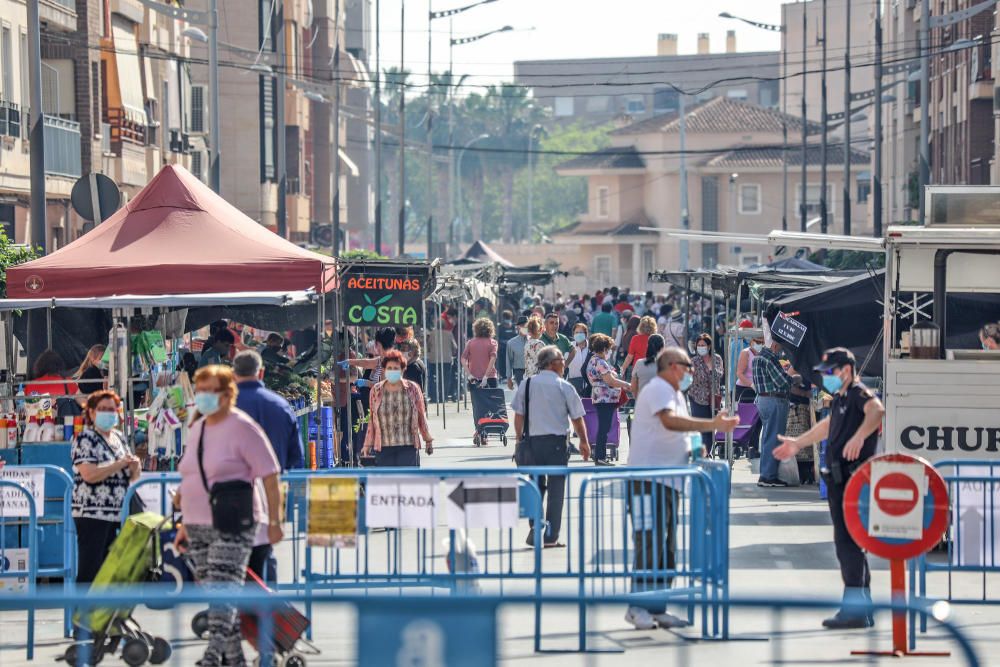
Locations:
461 155
458 10
476 38
784 110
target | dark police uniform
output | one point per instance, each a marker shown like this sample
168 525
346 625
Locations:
847 412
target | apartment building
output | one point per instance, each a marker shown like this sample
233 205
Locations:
599 90
62 131
735 184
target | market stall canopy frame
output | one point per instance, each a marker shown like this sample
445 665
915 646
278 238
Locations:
175 237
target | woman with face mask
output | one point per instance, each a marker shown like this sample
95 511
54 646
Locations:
744 371
574 371
103 468
606 389
398 420
226 454
706 387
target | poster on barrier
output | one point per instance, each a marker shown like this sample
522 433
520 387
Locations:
13 560
975 518
152 494
12 502
333 512
400 502
482 502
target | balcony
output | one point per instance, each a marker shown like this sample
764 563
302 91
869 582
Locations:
124 130
62 147
58 14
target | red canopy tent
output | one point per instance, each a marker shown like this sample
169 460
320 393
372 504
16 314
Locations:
175 237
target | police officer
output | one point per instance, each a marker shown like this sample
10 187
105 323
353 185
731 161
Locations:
851 432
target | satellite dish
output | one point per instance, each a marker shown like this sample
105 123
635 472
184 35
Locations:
95 191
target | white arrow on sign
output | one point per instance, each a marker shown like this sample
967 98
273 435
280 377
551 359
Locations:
482 502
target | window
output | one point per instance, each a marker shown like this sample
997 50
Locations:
196 165
602 269
603 195
7 53
749 260
738 94
749 199
563 106
647 261
197 109
50 90
812 199
635 104
665 99
129 71
25 85
864 190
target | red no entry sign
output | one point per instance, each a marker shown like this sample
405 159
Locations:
905 496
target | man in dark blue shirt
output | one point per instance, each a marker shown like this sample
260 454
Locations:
268 409
275 416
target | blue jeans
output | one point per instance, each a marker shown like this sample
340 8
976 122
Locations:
773 417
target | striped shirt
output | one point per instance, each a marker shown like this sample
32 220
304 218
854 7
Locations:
394 417
417 423
768 375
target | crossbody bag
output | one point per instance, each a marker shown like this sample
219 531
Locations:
231 501
522 449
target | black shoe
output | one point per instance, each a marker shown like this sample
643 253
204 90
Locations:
603 462
771 483
573 449
842 621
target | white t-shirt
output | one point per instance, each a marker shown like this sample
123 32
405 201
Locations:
575 369
650 443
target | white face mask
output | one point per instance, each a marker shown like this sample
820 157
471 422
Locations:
702 351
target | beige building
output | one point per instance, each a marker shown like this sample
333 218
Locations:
735 184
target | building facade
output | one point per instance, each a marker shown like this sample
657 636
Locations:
602 89
734 162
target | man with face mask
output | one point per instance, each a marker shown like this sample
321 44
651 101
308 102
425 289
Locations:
772 384
514 354
659 438
851 432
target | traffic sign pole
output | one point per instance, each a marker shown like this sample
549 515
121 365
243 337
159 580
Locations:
893 495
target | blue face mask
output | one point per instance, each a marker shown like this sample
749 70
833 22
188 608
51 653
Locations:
394 376
832 384
686 381
105 421
206 402
579 337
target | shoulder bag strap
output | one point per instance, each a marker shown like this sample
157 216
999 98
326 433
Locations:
201 455
527 408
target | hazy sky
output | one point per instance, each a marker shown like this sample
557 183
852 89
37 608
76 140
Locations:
567 29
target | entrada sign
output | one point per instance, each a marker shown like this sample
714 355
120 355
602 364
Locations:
383 299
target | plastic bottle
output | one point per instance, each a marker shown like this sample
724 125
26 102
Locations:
47 431
67 429
31 431
12 429
3 432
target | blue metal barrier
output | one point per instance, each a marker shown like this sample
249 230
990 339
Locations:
464 630
31 572
972 541
56 531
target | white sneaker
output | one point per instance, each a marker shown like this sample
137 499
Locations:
640 618
669 621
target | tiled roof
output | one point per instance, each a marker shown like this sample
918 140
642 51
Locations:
771 156
720 114
614 157
607 228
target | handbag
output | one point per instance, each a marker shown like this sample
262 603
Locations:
136 505
522 449
67 407
231 501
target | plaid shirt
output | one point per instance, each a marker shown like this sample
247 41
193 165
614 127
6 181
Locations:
768 375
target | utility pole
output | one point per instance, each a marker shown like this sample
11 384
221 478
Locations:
451 135
401 236
784 130
430 141
877 166
215 129
925 93
685 222
336 129
378 130
847 121
803 187
37 131
280 159
823 221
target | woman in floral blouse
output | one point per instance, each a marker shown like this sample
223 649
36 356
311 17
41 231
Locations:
532 346
398 419
606 389
103 468
706 367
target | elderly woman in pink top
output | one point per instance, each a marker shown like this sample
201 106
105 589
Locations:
225 445
479 359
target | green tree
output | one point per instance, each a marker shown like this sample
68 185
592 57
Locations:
12 254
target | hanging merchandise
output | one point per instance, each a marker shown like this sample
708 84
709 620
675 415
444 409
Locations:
116 359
